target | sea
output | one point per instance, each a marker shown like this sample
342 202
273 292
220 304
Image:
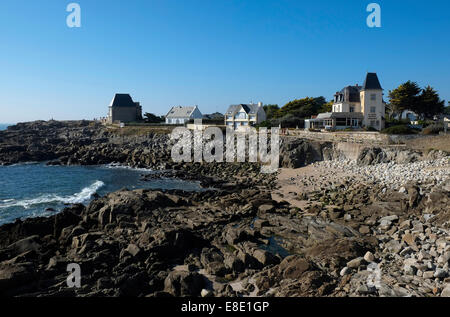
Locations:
36 190
3 126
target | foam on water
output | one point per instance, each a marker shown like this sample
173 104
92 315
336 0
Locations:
84 195
120 166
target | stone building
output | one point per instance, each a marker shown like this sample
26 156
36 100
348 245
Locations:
123 109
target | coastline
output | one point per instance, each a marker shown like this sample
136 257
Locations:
287 234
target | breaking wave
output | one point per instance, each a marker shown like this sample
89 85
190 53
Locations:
120 166
84 195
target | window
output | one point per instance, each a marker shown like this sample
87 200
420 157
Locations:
252 117
373 109
373 97
352 109
342 122
229 117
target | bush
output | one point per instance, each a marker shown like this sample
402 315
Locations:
289 121
433 129
399 129
264 124
370 129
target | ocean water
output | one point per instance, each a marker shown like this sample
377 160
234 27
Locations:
34 189
3 126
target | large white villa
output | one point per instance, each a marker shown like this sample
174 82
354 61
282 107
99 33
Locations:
244 115
354 107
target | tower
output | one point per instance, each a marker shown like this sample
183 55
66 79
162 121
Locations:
372 104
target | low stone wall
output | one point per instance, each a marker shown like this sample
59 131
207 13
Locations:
353 137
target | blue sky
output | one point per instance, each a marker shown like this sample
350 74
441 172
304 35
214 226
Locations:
212 53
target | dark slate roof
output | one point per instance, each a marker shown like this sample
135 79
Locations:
248 108
351 93
122 100
371 82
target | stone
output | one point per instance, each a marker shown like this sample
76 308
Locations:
355 263
446 291
265 258
206 293
133 249
440 273
405 225
444 258
364 229
369 257
344 271
293 267
411 241
428 275
393 246
180 283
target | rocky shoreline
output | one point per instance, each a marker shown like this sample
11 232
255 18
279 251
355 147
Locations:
379 236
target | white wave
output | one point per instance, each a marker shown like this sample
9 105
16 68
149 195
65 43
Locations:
84 195
120 166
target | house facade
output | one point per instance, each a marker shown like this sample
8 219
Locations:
123 109
181 115
354 107
244 115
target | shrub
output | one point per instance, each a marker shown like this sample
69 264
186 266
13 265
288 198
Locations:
433 129
399 129
370 129
264 124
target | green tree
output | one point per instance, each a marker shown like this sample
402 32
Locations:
429 103
302 108
271 111
404 97
326 107
447 109
151 118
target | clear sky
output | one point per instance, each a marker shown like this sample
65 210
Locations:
211 53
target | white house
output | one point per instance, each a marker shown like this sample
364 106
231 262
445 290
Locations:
181 115
354 107
244 115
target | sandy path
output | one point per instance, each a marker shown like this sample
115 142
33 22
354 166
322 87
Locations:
307 179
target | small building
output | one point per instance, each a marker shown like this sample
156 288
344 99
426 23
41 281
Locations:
244 115
446 124
123 109
335 120
181 115
354 107
407 115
